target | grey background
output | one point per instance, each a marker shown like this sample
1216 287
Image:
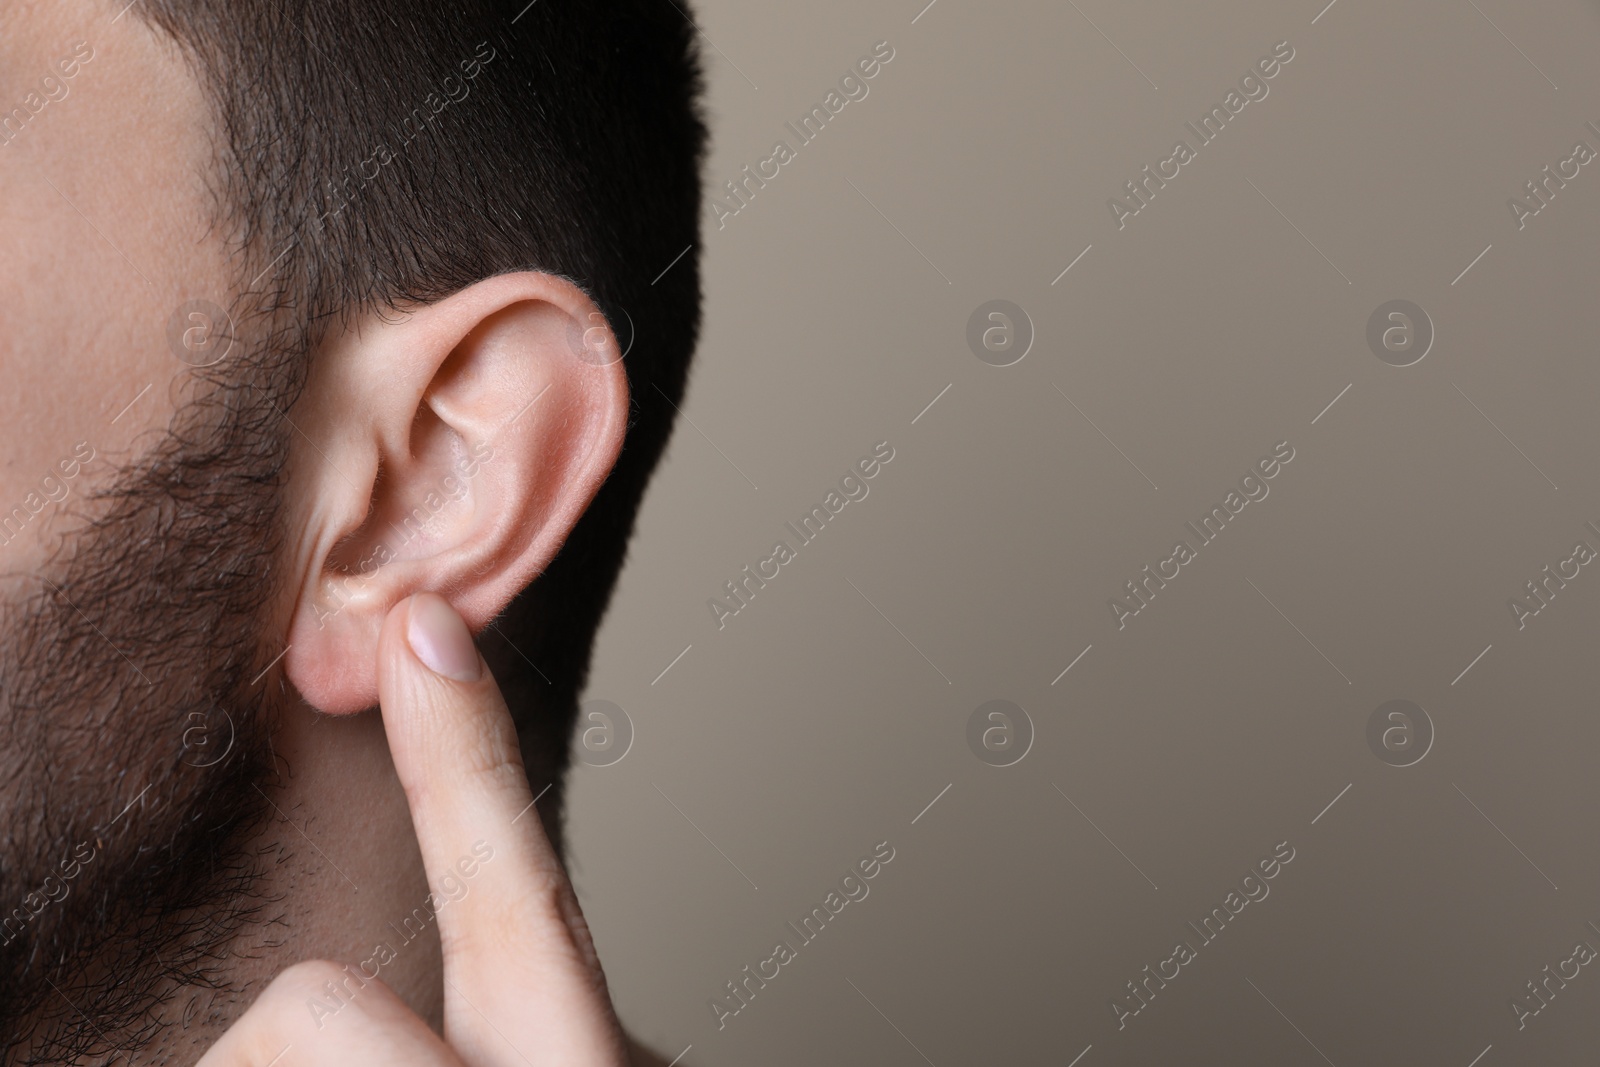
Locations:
1225 717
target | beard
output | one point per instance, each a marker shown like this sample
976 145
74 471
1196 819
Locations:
136 713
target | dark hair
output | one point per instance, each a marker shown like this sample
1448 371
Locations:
375 153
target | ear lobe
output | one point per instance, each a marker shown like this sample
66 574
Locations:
450 451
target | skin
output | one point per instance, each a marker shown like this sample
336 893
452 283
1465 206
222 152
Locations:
89 334
457 758
106 229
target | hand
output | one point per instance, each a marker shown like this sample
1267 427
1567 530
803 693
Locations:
522 983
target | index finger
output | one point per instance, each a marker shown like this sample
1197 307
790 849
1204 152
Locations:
519 965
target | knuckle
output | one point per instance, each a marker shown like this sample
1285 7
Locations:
303 979
313 996
491 752
332 987
538 916
478 761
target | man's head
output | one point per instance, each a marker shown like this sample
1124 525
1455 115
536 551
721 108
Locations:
316 306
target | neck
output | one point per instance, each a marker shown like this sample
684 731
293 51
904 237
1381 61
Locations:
347 876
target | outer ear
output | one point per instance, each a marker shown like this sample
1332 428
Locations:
450 450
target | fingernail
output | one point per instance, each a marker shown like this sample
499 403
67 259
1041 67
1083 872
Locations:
440 639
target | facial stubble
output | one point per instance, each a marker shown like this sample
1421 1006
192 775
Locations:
135 729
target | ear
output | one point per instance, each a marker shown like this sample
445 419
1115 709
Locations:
449 448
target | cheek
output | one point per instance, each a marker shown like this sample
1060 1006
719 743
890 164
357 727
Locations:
63 384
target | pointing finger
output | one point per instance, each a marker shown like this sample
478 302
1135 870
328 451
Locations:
522 982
